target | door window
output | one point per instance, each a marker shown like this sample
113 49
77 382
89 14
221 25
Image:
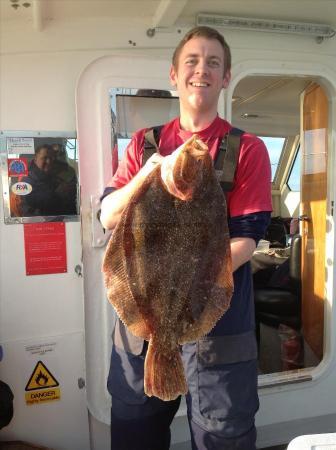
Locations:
289 265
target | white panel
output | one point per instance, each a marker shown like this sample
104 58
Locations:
42 99
314 442
50 304
58 424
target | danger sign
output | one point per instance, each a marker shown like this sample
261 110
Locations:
42 386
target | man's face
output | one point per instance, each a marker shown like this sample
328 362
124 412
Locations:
58 152
200 77
43 160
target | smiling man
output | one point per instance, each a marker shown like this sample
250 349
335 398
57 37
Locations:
199 74
221 368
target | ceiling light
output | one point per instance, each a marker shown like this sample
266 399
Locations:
249 116
236 98
320 31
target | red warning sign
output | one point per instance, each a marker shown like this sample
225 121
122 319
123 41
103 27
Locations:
45 248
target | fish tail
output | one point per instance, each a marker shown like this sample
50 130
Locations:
164 374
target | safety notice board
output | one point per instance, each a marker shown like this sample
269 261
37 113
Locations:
45 248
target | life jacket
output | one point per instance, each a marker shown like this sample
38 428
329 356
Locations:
226 160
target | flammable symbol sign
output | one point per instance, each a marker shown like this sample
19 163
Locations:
41 378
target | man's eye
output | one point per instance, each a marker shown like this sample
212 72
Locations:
191 61
214 63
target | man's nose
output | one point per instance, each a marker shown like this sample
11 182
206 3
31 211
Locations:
202 67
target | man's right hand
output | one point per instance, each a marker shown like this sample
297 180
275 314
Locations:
150 165
114 204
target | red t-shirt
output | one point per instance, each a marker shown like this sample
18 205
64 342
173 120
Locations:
252 184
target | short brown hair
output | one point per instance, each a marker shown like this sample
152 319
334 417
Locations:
208 33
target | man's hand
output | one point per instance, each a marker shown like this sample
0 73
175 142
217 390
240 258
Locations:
150 165
241 251
114 204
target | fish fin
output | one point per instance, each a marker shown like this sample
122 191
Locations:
119 292
164 374
118 287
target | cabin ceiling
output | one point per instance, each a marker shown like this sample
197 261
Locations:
269 105
260 102
168 12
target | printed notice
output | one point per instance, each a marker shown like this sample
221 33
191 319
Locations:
20 145
42 386
45 248
41 349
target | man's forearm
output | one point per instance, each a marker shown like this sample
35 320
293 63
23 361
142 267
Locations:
114 204
241 251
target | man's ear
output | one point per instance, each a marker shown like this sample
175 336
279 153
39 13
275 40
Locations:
173 76
227 79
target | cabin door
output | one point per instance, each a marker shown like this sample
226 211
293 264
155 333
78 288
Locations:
314 139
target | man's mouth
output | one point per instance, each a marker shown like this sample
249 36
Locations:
199 84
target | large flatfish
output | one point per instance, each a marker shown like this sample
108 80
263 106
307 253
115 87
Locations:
167 267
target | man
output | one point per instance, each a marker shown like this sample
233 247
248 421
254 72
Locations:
42 200
221 369
66 180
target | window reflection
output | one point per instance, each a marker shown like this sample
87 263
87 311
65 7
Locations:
44 181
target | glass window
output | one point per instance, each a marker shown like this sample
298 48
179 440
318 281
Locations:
42 177
293 181
122 144
274 146
133 109
292 338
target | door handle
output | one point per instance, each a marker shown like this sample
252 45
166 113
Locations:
99 236
304 218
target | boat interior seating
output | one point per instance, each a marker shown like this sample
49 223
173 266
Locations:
279 300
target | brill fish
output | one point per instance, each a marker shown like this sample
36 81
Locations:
167 267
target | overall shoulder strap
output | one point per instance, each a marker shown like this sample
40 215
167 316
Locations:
151 142
227 158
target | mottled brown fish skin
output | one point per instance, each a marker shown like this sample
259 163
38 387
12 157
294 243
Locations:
168 267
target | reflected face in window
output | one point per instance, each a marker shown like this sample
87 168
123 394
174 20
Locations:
59 151
44 159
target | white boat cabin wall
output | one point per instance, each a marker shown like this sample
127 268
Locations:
94 72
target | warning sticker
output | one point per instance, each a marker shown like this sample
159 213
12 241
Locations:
17 167
42 386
